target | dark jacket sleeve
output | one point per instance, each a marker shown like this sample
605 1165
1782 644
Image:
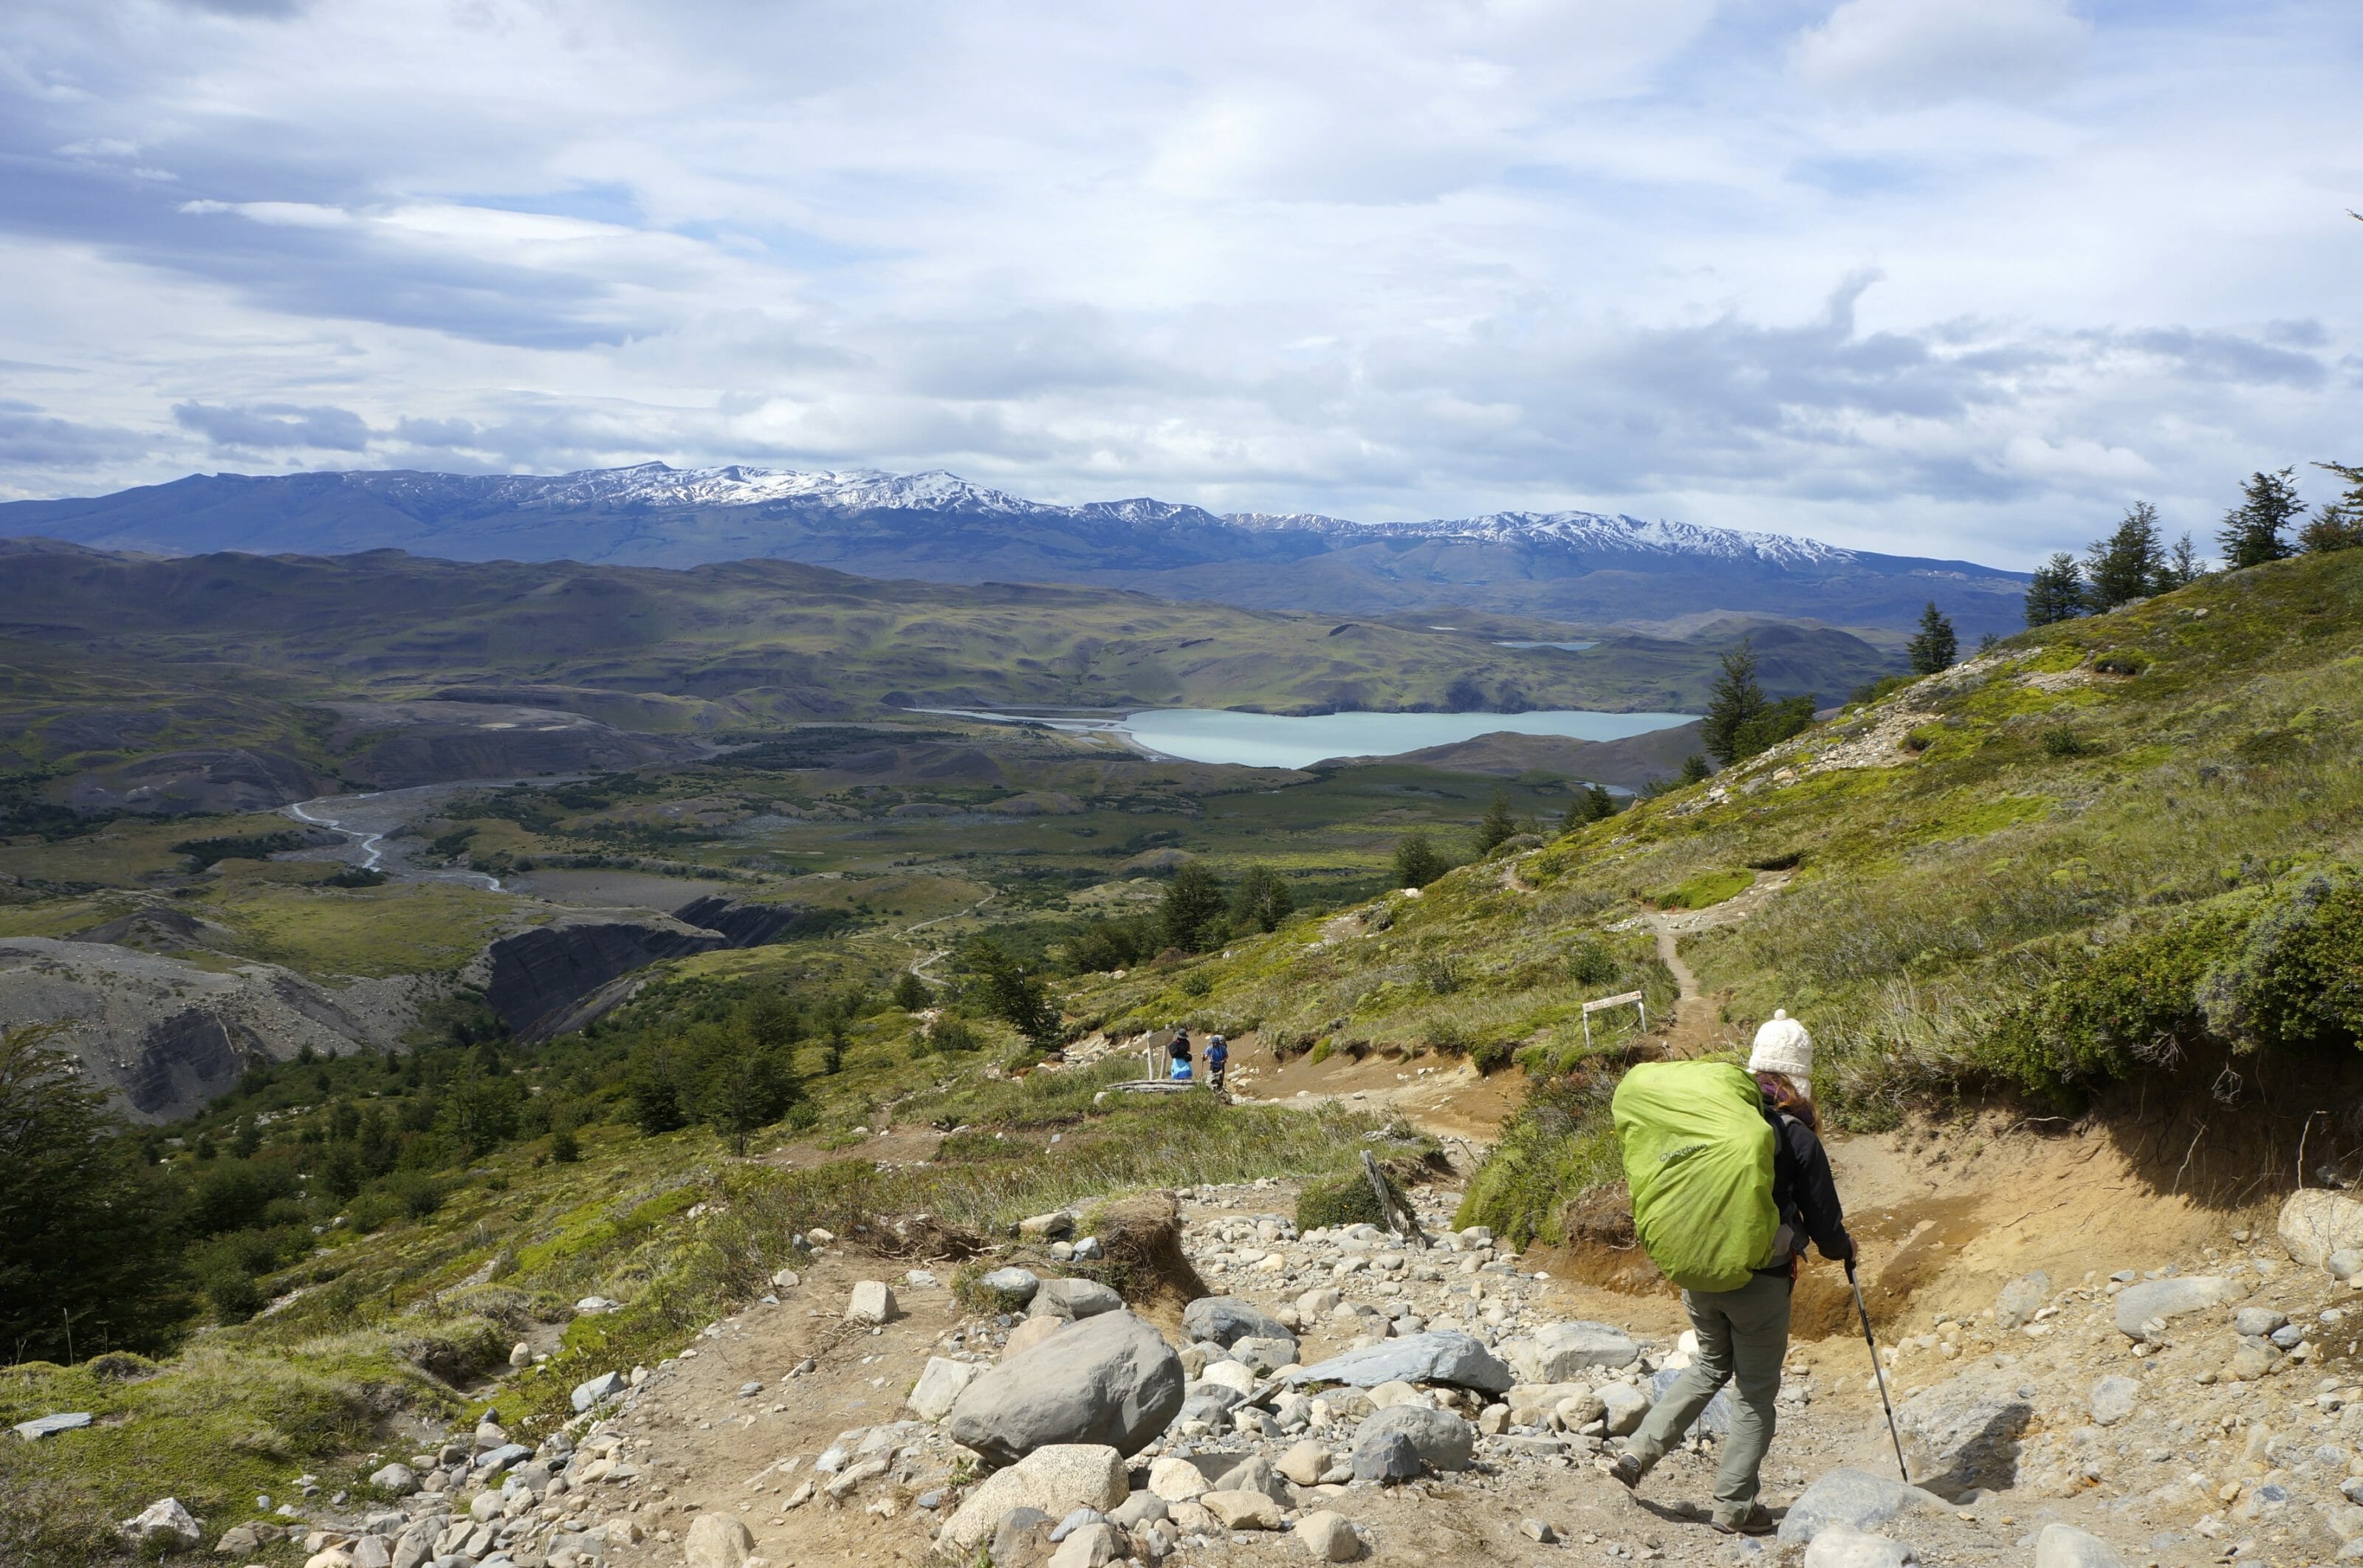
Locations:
1815 1190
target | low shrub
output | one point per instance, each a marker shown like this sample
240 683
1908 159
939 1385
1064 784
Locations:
1344 1200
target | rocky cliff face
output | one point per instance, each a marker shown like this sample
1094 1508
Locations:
560 976
163 1036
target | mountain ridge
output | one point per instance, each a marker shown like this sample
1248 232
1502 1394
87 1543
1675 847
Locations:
1575 566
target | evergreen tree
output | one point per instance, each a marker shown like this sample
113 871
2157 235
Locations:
1936 645
2056 592
1497 827
833 1042
564 1147
2338 526
1262 899
2129 564
655 1092
1591 803
771 1021
1777 723
1192 907
913 994
1015 997
1736 698
1695 770
87 1248
2252 530
2183 568
1416 861
742 1087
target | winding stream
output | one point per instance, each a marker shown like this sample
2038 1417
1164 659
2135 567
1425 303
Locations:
372 843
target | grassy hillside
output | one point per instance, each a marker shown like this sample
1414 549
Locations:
2113 848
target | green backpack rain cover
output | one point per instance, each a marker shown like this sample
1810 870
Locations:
1698 1157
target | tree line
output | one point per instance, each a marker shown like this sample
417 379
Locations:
2133 562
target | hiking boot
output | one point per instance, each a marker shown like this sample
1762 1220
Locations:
1757 1520
1626 1471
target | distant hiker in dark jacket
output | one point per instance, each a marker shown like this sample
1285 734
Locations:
1180 1053
1743 1334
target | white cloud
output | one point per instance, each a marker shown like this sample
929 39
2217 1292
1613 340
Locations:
1366 257
1898 53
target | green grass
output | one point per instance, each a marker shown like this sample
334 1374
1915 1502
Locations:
397 928
1942 896
1707 890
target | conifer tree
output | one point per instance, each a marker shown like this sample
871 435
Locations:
2338 526
2056 592
1416 861
1736 698
1935 646
2129 564
2252 532
1497 827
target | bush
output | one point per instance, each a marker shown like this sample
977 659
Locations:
2061 741
1590 963
1344 1201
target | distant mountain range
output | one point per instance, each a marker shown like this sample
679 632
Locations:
1576 567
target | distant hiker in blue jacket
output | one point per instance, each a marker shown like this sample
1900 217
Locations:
1218 1057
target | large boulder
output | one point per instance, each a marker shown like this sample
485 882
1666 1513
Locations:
1056 1480
1074 1298
1964 1432
2315 1223
1441 1357
592 1390
1110 1380
1224 1320
1556 1352
1837 1545
1855 1497
2020 1299
2065 1546
163 1519
941 1387
717 1541
1442 1440
2144 1309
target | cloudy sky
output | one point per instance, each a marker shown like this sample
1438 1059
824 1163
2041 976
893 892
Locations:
1943 276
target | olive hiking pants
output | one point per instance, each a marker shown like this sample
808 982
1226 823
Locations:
1743 1334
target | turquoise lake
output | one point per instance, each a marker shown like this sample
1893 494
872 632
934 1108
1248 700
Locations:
1270 740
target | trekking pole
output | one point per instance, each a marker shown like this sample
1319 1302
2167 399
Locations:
1878 1372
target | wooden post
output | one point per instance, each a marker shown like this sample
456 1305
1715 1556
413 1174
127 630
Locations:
1396 1219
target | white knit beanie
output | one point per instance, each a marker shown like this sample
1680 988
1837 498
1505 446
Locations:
1783 1046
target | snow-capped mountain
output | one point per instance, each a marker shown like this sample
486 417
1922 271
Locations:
1574 566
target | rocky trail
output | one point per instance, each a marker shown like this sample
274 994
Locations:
1342 1394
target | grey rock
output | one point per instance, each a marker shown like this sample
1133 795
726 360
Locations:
1329 1536
1445 1357
1266 1355
1963 1433
1140 1508
490 1465
40 1427
1556 1352
2020 1299
2160 1301
2345 1263
396 1480
1023 1536
1255 1475
163 1519
1109 1380
1715 1420
1227 1319
1092 1546
2289 1336
1854 1498
1075 1522
606 1385
2065 1546
2256 1323
2315 1224
1013 1287
1074 1298
1624 1409
1442 1440
1837 1545
2112 1399
1388 1456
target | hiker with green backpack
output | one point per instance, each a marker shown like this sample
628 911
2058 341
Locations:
1729 1180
